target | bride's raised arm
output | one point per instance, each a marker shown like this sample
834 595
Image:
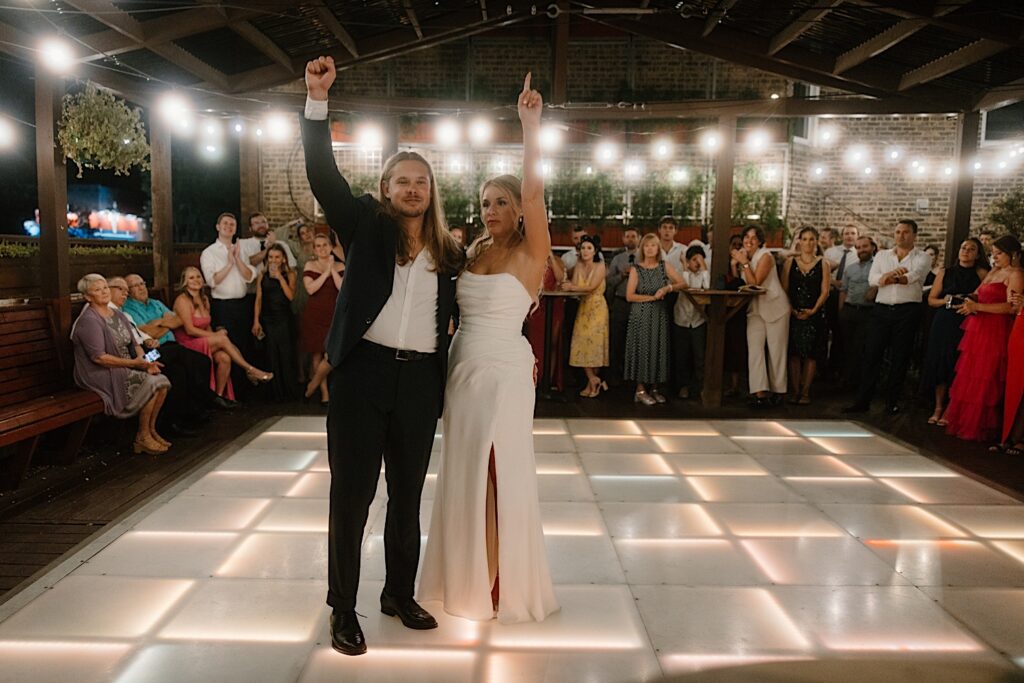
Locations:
535 215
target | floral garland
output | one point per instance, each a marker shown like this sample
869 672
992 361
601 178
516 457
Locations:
97 130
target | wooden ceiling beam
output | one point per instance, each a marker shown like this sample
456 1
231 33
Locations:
261 42
334 26
106 12
953 61
716 15
876 45
1000 96
413 19
455 26
935 12
802 24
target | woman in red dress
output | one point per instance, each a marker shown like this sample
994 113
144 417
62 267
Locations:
322 280
1013 408
976 396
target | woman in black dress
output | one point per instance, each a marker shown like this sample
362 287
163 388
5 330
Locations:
274 323
805 278
959 280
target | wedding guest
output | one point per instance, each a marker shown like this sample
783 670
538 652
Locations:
256 247
929 279
109 362
975 397
898 273
806 278
987 237
839 256
571 256
647 336
952 285
856 297
826 239
618 307
672 252
1012 441
226 268
689 326
193 307
589 348
274 323
767 320
459 235
321 281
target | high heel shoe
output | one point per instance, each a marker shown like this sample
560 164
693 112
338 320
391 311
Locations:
149 447
642 396
598 388
257 376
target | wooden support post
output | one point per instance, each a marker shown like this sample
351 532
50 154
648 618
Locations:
250 180
51 174
722 223
392 130
559 86
163 213
961 193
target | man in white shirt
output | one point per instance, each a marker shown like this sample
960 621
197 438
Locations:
838 256
689 328
254 249
228 273
570 257
899 274
671 250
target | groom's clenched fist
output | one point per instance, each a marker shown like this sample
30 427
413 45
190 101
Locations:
320 75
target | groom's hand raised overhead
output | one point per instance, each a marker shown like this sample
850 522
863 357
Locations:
320 75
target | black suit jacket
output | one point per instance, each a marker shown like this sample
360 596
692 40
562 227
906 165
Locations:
370 239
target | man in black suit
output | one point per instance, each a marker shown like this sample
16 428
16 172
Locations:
388 345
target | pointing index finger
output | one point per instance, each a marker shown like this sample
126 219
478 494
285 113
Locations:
526 81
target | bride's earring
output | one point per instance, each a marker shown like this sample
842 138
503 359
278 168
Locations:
520 225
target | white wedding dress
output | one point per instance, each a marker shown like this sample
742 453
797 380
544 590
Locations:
488 401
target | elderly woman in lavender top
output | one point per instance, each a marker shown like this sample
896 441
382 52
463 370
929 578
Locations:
110 362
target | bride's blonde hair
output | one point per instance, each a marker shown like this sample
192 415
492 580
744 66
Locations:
511 186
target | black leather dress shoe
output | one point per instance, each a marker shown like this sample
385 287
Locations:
225 403
855 408
178 429
406 609
346 636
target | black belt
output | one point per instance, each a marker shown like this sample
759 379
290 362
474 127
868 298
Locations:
398 354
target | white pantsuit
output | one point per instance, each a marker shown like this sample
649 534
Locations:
767 325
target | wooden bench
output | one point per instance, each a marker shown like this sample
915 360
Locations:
37 391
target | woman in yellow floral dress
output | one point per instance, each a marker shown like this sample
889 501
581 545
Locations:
589 348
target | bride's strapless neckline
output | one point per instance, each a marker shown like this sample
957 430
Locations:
520 282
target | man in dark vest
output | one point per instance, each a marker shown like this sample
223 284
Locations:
388 345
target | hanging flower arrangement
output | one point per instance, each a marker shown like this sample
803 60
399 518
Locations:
97 130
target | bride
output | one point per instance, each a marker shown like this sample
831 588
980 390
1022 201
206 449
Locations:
485 552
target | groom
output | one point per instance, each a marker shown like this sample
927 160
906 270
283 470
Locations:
388 345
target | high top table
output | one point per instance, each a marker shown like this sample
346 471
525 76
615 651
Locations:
721 304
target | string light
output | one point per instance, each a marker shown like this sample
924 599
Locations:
277 127
856 155
606 152
550 137
818 172
56 55
893 154
633 169
480 132
447 133
369 137
662 148
6 134
827 135
680 175
173 107
774 95
710 142
757 141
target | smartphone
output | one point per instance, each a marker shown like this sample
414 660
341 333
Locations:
152 355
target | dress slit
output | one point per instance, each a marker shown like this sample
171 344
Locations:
492 528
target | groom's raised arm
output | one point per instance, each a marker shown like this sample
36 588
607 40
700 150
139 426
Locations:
330 188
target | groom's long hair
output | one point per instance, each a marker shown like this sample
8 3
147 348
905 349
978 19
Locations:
436 238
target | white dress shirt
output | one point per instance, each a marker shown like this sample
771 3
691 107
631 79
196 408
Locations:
570 258
675 255
408 320
685 314
214 259
250 246
917 263
316 110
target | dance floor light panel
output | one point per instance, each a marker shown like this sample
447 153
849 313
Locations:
675 546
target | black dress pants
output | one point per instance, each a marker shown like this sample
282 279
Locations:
189 372
235 316
381 408
892 328
619 324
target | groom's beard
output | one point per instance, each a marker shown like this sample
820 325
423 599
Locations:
407 212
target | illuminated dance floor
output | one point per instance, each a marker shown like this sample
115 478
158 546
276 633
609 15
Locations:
675 546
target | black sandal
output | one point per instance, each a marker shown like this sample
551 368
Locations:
1016 449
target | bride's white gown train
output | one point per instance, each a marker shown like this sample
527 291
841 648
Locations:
489 401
